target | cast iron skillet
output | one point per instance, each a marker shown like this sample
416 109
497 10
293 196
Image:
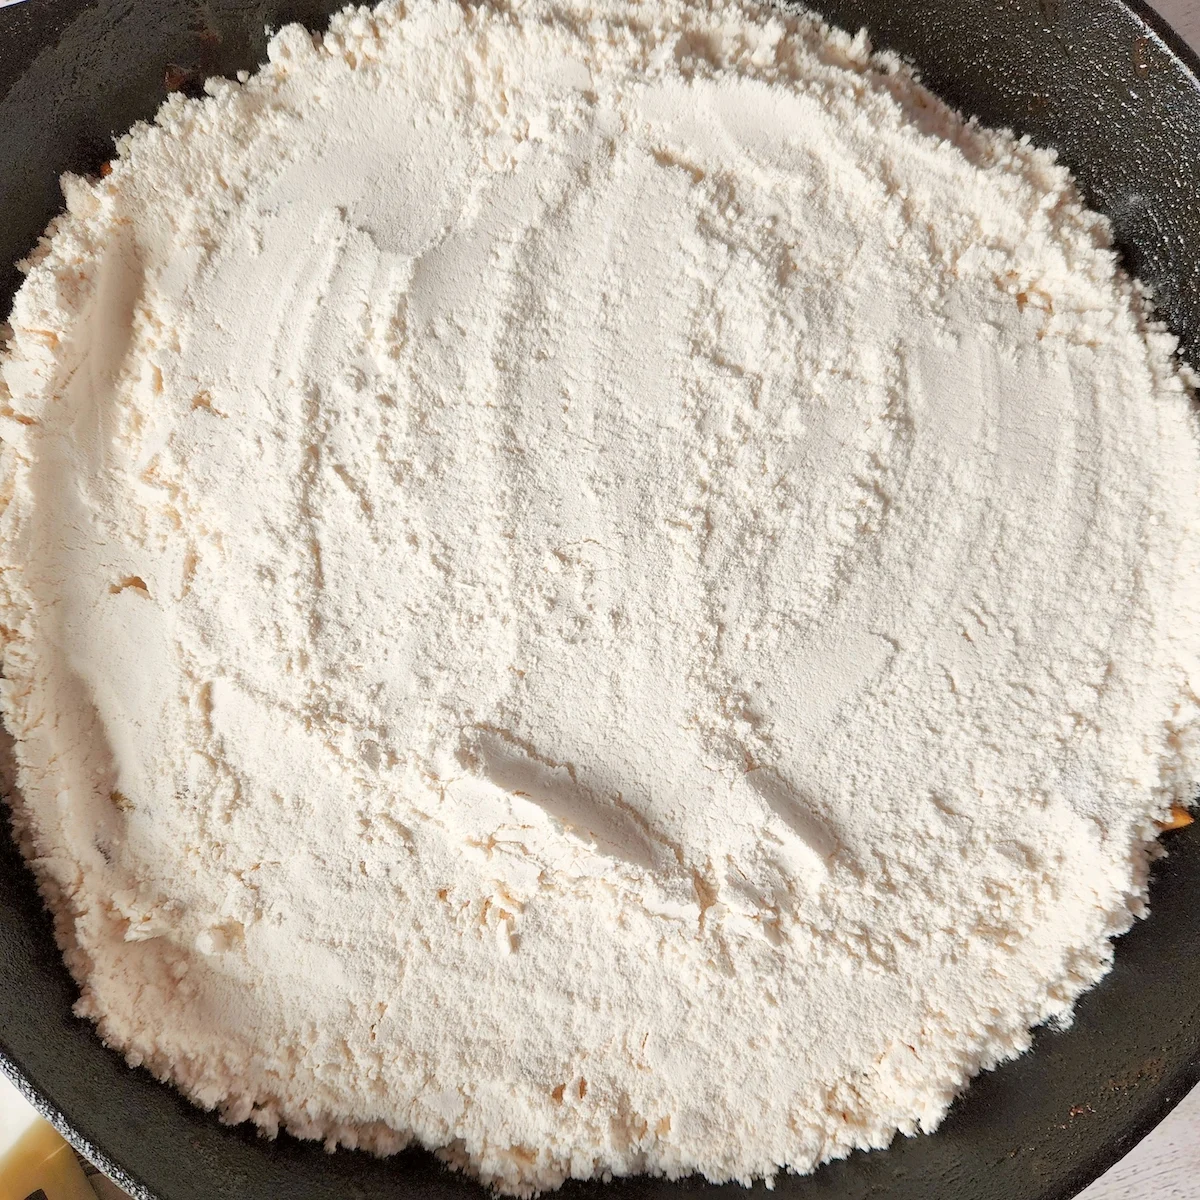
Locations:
1119 95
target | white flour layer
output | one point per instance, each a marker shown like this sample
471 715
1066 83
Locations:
607 589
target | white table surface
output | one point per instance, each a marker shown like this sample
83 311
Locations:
1166 1164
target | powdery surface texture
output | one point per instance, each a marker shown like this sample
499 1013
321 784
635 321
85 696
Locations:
604 589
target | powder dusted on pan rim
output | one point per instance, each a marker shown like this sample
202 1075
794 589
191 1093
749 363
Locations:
607 589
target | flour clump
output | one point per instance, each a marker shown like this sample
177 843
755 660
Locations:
603 589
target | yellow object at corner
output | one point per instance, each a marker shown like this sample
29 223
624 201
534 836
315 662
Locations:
41 1162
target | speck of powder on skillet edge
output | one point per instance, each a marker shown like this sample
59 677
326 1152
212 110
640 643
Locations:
605 589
